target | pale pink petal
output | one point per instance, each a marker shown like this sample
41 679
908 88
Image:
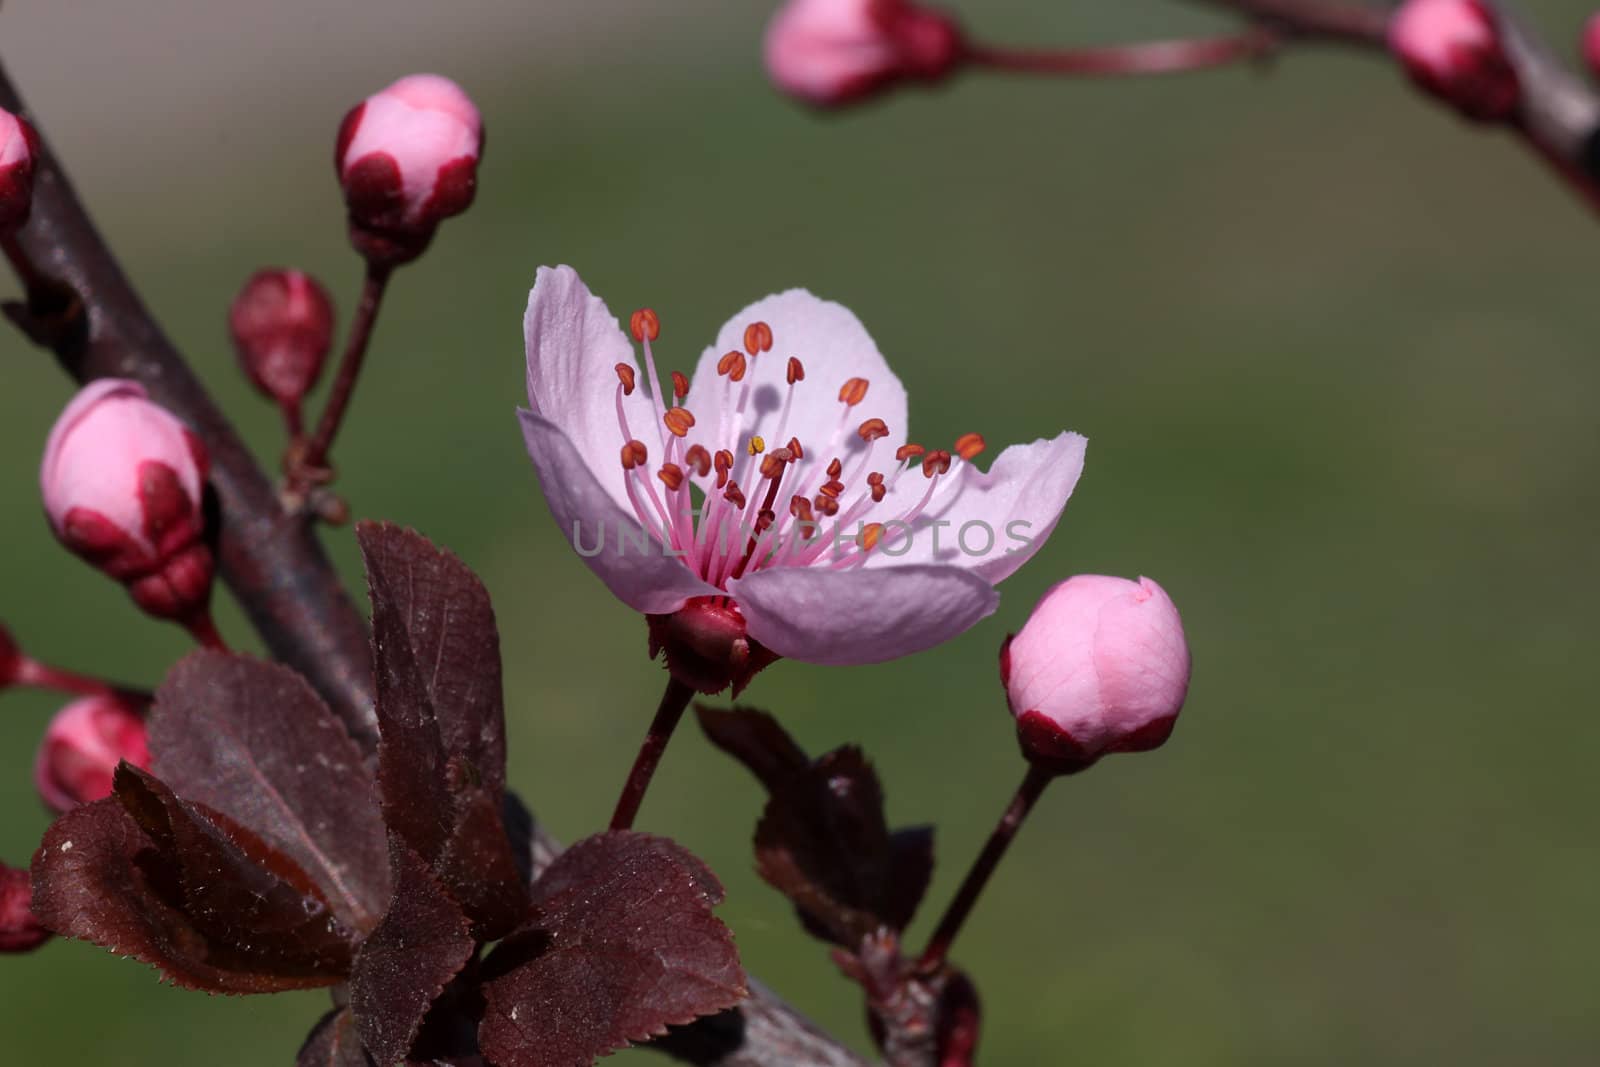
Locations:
834 347
574 344
637 569
988 522
843 617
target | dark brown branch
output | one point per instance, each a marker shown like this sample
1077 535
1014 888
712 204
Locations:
85 309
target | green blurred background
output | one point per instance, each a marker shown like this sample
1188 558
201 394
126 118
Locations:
1335 354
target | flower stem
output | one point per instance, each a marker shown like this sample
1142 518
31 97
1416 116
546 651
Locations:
1149 57
1027 794
315 455
36 675
673 702
205 632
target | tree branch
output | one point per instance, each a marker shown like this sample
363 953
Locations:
83 307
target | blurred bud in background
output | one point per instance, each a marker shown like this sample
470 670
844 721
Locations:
1452 49
122 481
81 749
282 326
408 159
20 930
1591 44
834 52
18 143
1100 666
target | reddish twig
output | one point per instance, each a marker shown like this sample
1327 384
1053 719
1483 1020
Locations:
1145 57
673 703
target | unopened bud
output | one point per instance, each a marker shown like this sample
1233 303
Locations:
1591 44
1453 50
407 158
20 929
18 145
834 52
11 660
282 326
1100 666
82 747
122 481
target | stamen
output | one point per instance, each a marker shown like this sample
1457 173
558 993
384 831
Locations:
875 480
873 429
870 535
723 461
796 371
936 462
680 384
772 466
757 445
672 475
757 338
853 391
634 454
625 375
733 365
970 445
678 421
644 325
828 505
800 508
835 468
794 446
698 458
832 489
734 495
905 452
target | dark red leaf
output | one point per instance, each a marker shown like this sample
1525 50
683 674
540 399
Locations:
755 739
622 946
910 871
255 742
333 1043
441 757
184 889
422 943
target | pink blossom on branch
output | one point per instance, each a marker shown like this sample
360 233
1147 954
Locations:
1101 666
772 505
20 929
1591 44
122 481
18 144
1453 49
82 747
831 52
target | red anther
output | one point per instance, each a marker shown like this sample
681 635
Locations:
794 446
853 391
800 508
733 365
634 454
773 463
936 462
796 371
698 458
644 325
826 504
832 489
678 421
757 338
671 474
905 452
970 445
870 535
723 462
680 384
875 480
835 468
873 429
764 521
625 376
734 495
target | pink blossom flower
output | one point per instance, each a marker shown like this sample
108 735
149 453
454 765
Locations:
122 480
82 747
774 493
408 158
20 929
830 52
1452 49
1101 666
18 145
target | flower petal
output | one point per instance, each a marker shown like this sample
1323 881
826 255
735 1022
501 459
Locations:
844 617
637 568
833 347
574 344
991 522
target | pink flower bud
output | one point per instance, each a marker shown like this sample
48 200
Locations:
20 929
122 481
18 145
11 659
1591 43
1452 49
1101 666
82 747
282 325
408 158
833 52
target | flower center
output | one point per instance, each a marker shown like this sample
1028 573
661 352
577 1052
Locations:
800 510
